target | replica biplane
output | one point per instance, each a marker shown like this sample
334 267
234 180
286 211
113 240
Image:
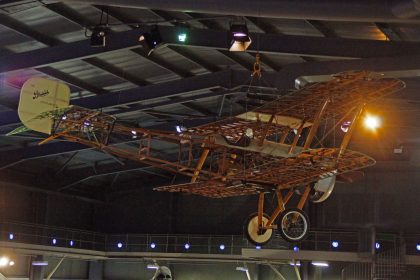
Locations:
281 147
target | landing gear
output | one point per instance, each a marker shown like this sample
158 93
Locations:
256 234
293 225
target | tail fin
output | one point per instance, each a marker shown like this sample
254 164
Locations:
39 96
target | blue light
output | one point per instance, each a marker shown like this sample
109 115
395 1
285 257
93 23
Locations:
258 247
71 243
335 244
222 247
11 236
418 247
187 246
377 245
119 245
296 249
54 241
153 245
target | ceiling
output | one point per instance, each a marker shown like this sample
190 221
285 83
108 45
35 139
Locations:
196 81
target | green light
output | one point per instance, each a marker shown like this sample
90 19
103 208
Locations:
182 37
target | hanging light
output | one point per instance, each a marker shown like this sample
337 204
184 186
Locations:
150 40
98 37
238 37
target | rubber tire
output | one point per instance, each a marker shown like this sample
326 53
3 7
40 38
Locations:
280 229
250 233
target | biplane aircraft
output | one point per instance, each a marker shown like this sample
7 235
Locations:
281 147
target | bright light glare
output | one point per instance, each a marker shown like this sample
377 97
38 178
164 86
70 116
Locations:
182 37
152 266
11 263
4 261
222 247
153 245
335 244
119 245
11 236
187 246
323 264
377 245
372 122
418 247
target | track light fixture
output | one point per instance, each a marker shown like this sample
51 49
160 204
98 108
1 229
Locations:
98 37
238 37
150 40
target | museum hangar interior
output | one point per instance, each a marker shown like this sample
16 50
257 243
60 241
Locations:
76 206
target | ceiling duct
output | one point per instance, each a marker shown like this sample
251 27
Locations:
407 9
338 10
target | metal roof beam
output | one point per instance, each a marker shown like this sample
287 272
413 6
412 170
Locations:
322 28
71 80
194 58
224 79
285 44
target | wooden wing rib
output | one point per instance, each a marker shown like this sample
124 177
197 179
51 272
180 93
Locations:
306 168
283 173
345 91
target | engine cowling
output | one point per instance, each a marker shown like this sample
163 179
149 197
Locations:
323 189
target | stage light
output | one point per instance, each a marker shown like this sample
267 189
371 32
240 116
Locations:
372 122
180 128
334 244
98 37
296 249
11 236
187 246
11 263
54 241
318 263
345 126
150 41
258 247
71 243
377 245
153 245
119 245
418 247
239 39
222 247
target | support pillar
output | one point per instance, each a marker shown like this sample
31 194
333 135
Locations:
36 272
96 270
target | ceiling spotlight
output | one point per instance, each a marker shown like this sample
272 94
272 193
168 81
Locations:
11 263
119 245
98 37
180 128
71 243
54 241
222 247
372 122
334 244
297 263
238 38
418 247
150 40
377 245
318 263
11 236
153 245
296 249
187 246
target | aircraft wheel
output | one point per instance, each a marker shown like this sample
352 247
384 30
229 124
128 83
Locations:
256 235
293 225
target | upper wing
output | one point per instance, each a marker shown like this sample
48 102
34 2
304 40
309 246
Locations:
345 91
